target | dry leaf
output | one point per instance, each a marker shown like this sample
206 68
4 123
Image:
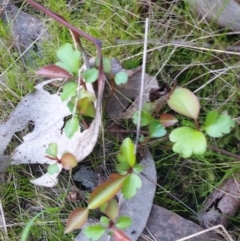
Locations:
47 111
123 101
164 225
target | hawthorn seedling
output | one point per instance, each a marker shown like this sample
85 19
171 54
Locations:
69 58
68 160
111 223
80 103
102 197
189 141
216 125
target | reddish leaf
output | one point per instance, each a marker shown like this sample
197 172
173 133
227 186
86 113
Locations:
77 219
53 71
119 235
106 191
168 120
68 161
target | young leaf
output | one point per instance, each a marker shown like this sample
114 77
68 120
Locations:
69 58
105 221
86 94
188 124
127 152
138 168
77 219
123 222
121 78
146 118
94 232
69 91
68 161
107 65
123 167
52 150
71 127
168 120
91 75
53 71
119 235
216 125
106 191
130 186
184 102
53 169
188 141
156 129
85 107
112 209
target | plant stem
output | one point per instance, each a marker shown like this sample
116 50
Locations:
214 148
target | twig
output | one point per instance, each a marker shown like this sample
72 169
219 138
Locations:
142 84
214 148
3 221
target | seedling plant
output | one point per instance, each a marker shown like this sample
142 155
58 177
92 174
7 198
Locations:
81 100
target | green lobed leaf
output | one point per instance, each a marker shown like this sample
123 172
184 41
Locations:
188 141
71 105
71 127
53 169
121 78
94 232
76 219
106 191
130 186
69 91
216 125
127 152
122 168
146 118
52 149
138 168
156 129
123 222
104 221
184 102
91 75
107 65
69 58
